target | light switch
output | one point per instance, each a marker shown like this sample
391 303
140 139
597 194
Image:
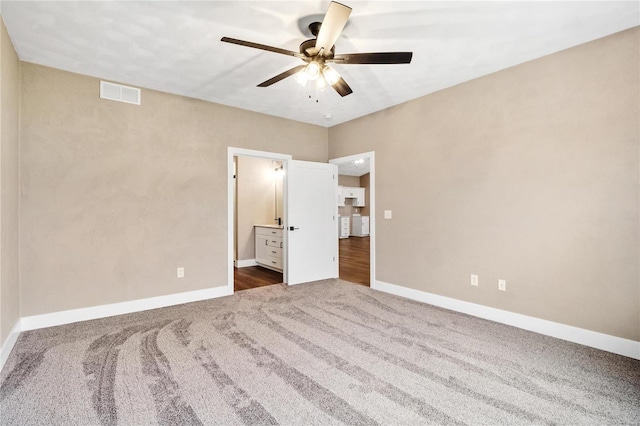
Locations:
502 285
387 214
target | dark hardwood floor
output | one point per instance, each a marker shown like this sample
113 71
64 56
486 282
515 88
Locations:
254 276
354 260
354 267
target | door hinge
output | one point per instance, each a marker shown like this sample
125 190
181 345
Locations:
334 258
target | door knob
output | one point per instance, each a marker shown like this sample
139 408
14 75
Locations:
291 228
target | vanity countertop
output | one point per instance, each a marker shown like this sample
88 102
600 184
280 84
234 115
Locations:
270 226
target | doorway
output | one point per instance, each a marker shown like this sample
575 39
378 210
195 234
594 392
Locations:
256 197
305 239
356 231
259 184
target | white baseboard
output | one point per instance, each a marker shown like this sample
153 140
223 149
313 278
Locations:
616 345
9 343
102 311
245 263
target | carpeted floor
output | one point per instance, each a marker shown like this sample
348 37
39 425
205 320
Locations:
323 353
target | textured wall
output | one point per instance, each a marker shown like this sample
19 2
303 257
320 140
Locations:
530 174
256 201
365 182
9 134
116 196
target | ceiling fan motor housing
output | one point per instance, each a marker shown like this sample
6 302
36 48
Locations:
309 45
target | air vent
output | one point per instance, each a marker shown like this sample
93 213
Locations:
120 93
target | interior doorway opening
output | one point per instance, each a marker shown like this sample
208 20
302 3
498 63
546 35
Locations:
257 211
309 212
259 205
356 221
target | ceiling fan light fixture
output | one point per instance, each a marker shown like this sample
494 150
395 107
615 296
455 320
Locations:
312 70
302 78
321 83
330 75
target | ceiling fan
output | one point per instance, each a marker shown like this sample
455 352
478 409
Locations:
319 51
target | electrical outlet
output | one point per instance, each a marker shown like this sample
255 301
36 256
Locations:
474 280
502 285
388 214
180 272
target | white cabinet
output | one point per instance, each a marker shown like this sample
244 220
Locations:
343 227
261 248
360 226
359 201
269 247
356 194
349 192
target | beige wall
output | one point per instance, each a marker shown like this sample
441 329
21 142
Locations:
115 196
345 180
256 180
365 182
9 209
279 182
530 174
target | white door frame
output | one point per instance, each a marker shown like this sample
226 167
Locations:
371 155
241 152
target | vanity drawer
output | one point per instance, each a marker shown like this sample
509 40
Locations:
274 252
274 242
269 232
275 262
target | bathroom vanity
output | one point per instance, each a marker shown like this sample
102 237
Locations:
269 246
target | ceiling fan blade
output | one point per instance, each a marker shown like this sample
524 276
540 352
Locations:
282 76
342 87
374 58
332 25
262 47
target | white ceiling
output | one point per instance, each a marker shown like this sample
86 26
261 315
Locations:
351 168
174 46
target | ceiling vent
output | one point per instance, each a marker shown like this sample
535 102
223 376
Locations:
120 93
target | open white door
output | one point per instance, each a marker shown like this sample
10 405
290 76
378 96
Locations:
311 221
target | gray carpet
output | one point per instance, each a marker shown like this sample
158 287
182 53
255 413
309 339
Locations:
323 353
